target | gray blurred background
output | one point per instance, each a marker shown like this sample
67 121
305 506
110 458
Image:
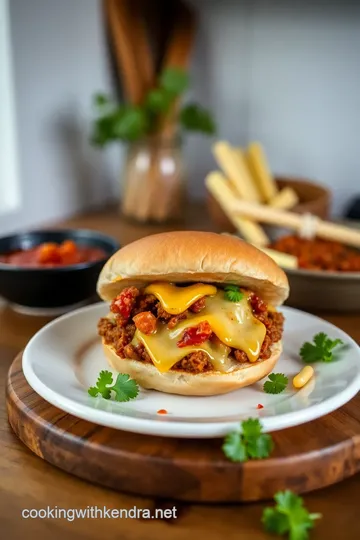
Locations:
284 73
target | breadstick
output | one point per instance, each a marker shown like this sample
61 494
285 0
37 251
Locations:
233 164
260 171
219 187
285 199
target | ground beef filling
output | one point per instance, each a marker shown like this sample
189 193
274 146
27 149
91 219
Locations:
120 331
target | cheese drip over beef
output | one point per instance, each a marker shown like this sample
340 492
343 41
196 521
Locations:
241 331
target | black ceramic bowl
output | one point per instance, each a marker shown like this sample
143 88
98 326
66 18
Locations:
60 287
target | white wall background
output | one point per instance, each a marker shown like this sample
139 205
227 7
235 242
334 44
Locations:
58 61
9 177
304 93
285 73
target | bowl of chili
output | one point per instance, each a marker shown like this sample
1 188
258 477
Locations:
52 269
327 277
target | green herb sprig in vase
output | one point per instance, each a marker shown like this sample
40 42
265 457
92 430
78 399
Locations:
154 176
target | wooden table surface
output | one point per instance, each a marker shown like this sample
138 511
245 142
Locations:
27 482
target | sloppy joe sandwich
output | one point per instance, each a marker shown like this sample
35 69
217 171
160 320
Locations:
192 313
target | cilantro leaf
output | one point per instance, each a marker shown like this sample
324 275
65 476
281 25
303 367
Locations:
276 384
193 117
320 350
274 522
251 427
105 378
93 391
260 447
174 80
289 516
250 443
233 293
234 447
125 388
287 500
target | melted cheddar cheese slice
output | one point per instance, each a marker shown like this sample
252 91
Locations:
174 299
164 352
232 322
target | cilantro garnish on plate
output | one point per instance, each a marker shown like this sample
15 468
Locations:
124 388
321 350
276 384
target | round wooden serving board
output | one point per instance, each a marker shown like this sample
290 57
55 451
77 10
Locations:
307 457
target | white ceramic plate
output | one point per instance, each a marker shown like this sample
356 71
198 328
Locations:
65 357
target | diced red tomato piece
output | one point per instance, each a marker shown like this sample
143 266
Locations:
145 322
124 302
49 253
195 335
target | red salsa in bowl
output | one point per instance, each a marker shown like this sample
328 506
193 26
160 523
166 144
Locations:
52 269
51 254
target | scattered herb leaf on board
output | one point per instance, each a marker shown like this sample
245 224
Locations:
250 443
289 516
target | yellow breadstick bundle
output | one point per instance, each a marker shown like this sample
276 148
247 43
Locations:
234 166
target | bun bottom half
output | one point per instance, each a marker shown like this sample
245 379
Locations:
188 384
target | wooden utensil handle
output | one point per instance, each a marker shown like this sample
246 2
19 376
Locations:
178 55
140 42
118 20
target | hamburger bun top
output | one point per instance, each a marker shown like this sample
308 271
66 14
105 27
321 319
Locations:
193 256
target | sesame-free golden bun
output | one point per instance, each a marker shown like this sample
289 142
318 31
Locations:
193 256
